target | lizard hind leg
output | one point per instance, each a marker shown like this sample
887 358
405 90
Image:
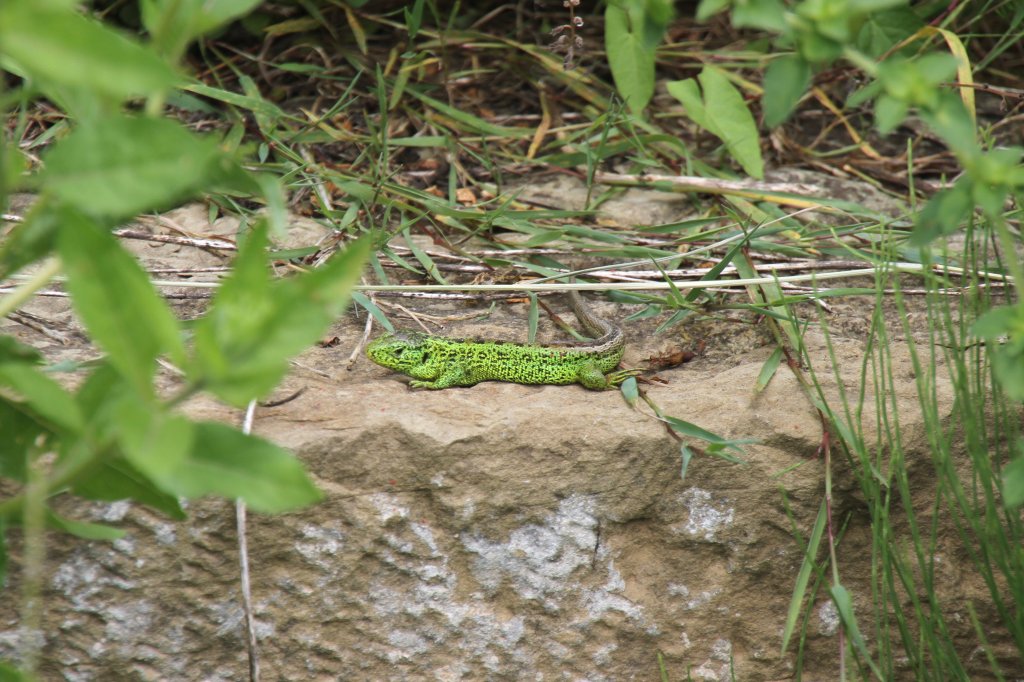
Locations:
593 378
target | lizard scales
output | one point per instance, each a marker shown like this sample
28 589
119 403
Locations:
440 362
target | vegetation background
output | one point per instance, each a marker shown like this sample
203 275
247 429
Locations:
394 118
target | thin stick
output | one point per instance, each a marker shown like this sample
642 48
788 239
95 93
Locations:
243 560
542 285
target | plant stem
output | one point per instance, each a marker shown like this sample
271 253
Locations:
33 525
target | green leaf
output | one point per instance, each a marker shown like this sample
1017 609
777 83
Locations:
630 391
733 120
155 442
630 58
688 92
685 455
882 30
1008 367
5 671
121 166
951 120
116 301
83 529
767 15
19 433
242 345
252 103
116 479
173 23
472 122
375 312
803 576
1000 321
844 604
424 258
1013 480
708 8
785 82
771 365
688 429
889 113
13 166
227 462
720 110
8 673
944 213
12 350
43 398
61 46
31 240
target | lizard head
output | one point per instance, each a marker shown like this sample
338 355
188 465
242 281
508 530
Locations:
402 351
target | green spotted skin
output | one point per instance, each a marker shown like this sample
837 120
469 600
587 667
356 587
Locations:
439 362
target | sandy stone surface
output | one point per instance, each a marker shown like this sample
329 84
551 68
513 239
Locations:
498 532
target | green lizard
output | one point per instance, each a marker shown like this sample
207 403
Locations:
440 362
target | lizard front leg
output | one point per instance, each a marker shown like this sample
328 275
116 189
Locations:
453 375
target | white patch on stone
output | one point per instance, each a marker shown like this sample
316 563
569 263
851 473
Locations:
231 617
702 598
607 598
717 667
116 511
406 646
428 613
603 656
721 650
438 480
164 533
426 536
81 580
539 562
538 559
126 624
124 545
705 518
388 507
828 618
320 546
677 590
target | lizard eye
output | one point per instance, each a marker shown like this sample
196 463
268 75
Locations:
398 352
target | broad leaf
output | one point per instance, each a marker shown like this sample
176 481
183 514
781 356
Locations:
254 326
733 120
155 442
19 433
121 166
720 110
40 397
83 529
944 213
785 82
175 23
115 479
60 45
31 240
226 462
116 301
630 58
1013 480
767 15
